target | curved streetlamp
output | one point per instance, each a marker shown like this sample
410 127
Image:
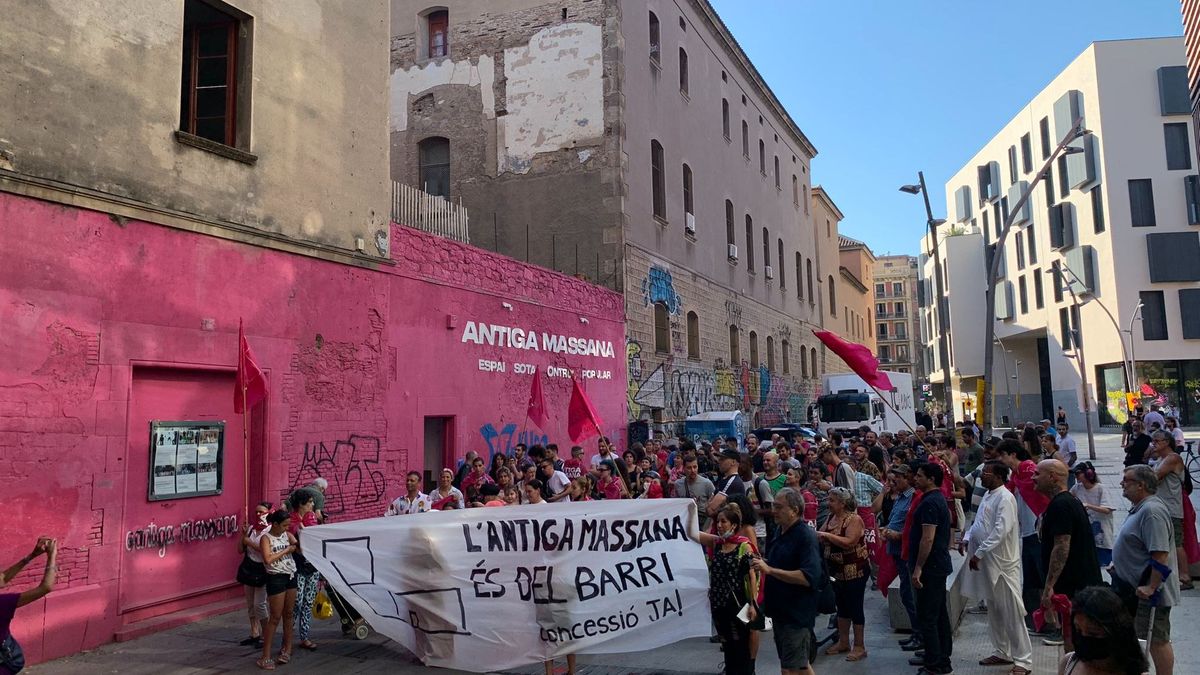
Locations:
989 325
943 347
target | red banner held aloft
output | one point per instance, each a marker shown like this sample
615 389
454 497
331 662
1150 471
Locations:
251 384
858 357
582 420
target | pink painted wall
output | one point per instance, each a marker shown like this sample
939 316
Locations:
356 359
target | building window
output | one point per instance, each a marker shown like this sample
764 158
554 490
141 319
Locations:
832 297
899 330
1154 315
1175 136
683 71
658 181
434 171
803 362
1141 203
1020 246
782 271
1012 164
885 353
786 354
897 289
808 273
1064 328
882 331
766 242
1026 154
799 277
880 290
753 350
1064 181
1031 239
735 349
770 354
812 363
662 328
762 157
749 243
693 335
1097 210
1048 185
439 33
795 191
1056 277
1044 132
778 185
725 118
729 223
655 39
745 140
688 204
804 194
1023 294
1039 300
209 100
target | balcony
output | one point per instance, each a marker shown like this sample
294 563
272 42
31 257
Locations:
429 213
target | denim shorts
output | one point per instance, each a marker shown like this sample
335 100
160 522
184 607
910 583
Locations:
280 583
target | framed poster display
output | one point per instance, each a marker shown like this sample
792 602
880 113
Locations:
186 459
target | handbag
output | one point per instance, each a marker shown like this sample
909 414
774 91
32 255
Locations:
251 573
12 656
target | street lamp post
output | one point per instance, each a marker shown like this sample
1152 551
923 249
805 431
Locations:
943 346
1077 342
1076 131
1126 365
1132 357
1007 386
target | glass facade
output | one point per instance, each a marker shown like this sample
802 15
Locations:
1173 385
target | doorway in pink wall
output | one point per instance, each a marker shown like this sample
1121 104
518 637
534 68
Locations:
438 432
184 494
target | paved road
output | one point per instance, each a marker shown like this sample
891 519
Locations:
211 646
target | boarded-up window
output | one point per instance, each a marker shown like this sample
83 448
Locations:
662 328
693 335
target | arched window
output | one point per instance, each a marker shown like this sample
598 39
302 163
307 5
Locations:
762 157
749 243
693 335
753 349
662 328
745 140
812 298
799 276
787 358
832 297
433 155
770 354
803 362
766 248
655 40
725 117
782 269
735 347
658 181
729 222
812 365
688 200
683 71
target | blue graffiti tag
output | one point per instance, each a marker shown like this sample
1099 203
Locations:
658 286
503 441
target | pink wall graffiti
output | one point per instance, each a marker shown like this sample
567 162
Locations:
356 358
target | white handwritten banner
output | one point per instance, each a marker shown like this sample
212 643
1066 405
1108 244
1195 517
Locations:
496 588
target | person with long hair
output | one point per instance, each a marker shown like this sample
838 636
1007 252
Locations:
277 546
611 484
1091 493
1105 642
732 584
252 575
10 602
498 462
1029 440
843 538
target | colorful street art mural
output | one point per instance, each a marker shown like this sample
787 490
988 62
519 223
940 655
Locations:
681 388
658 286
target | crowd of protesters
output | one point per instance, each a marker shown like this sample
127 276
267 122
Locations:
795 528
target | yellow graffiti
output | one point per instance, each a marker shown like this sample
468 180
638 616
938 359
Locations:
725 385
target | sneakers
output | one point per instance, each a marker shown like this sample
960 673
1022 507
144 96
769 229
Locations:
1052 638
913 646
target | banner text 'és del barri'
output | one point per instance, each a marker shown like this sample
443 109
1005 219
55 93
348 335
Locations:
491 589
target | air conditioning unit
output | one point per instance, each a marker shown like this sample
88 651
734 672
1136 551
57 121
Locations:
733 252
769 271
689 223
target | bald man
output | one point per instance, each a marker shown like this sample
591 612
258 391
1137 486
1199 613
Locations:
1068 545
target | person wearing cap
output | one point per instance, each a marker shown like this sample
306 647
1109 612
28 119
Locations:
728 483
651 485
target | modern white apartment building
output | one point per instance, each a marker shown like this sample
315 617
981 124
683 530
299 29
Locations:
1122 217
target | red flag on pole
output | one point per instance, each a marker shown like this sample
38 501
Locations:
582 420
537 403
251 384
858 357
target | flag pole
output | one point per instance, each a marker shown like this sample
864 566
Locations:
888 404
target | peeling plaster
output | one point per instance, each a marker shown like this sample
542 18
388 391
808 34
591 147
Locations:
555 94
420 78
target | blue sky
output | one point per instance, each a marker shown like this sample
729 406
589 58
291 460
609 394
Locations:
885 88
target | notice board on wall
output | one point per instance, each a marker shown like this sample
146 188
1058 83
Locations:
186 459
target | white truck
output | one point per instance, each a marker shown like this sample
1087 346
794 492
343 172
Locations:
849 403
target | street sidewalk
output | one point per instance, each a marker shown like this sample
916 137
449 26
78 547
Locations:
210 646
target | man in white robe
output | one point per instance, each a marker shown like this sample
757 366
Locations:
994 575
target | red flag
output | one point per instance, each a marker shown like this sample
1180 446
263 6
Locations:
582 420
858 357
537 403
251 384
